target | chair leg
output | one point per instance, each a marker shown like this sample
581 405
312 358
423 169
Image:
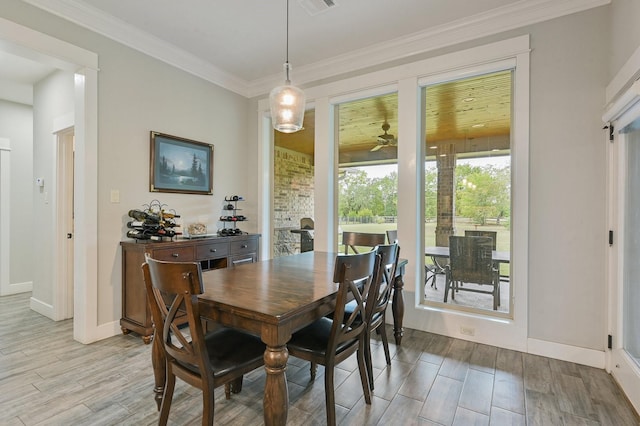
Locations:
447 286
329 395
208 401
227 391
363 371
367 357
385 342
169 385
313 369
236 385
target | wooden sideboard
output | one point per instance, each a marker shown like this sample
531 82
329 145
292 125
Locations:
211 252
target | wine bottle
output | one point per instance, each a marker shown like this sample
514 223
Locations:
166 215
144 216
138 234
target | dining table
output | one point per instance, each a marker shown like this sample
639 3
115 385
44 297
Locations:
273 299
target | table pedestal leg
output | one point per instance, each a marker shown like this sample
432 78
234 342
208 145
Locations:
397 308
158 361
276 393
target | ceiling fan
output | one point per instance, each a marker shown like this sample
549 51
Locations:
385 139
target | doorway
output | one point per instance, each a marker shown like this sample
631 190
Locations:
65 141
624 340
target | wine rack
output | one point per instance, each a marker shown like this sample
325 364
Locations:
153 222
230 217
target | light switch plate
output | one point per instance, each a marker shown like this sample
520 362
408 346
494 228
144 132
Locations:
115 196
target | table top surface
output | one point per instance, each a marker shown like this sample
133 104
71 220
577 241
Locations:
275 289
498 256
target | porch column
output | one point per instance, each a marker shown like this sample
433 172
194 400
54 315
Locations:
446 162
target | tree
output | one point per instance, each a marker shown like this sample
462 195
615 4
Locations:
483 192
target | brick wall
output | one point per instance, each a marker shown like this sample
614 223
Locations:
292 198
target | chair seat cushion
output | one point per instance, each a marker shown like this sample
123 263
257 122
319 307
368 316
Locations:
315 338
231 349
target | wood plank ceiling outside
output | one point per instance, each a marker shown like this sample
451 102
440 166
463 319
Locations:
474 114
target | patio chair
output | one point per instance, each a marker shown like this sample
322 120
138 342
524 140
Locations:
470 261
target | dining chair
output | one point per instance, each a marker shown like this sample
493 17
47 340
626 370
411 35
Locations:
353 240
392 236
329 341
470 261
204 361
377 301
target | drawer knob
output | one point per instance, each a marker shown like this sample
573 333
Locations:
213 250
244 246
175 255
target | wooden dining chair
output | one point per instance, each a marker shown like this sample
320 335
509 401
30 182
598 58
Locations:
392 236
377 301
470 261
330 341
204 361
355 240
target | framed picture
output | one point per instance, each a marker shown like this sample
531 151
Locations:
180 165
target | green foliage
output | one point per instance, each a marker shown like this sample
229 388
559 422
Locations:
483 193
373 196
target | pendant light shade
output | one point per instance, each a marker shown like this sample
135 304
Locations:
287 101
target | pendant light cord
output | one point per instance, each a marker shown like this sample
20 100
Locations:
287 49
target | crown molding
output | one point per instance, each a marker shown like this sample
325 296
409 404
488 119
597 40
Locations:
516 15
128 35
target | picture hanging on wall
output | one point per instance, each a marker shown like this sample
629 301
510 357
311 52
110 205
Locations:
180 165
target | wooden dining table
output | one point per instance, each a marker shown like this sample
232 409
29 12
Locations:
273 299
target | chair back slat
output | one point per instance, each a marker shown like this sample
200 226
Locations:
392 236
353 240
379 295
356 275
175 287
474 233
470 259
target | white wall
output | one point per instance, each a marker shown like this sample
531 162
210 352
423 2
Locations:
16 124
52 98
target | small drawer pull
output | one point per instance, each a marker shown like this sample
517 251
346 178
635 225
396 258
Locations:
244 246
175 255
213 250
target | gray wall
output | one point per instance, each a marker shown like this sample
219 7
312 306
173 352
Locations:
137 94
16 125
625 33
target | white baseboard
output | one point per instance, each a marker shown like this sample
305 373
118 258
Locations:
41 307
489 333
16 288
99 332
590 357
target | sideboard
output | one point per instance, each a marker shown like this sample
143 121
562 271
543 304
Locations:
211 252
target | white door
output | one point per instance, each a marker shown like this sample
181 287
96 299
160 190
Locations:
625 265
65 225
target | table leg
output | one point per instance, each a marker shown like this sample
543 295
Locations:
276 393
158 360
397 308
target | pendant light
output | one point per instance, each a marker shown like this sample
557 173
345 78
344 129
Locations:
287 101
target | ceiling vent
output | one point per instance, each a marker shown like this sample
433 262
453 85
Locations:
315 7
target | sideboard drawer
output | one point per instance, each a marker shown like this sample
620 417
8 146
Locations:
174 254
244 246
212 250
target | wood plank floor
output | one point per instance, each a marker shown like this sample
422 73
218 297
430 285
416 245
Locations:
46 378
